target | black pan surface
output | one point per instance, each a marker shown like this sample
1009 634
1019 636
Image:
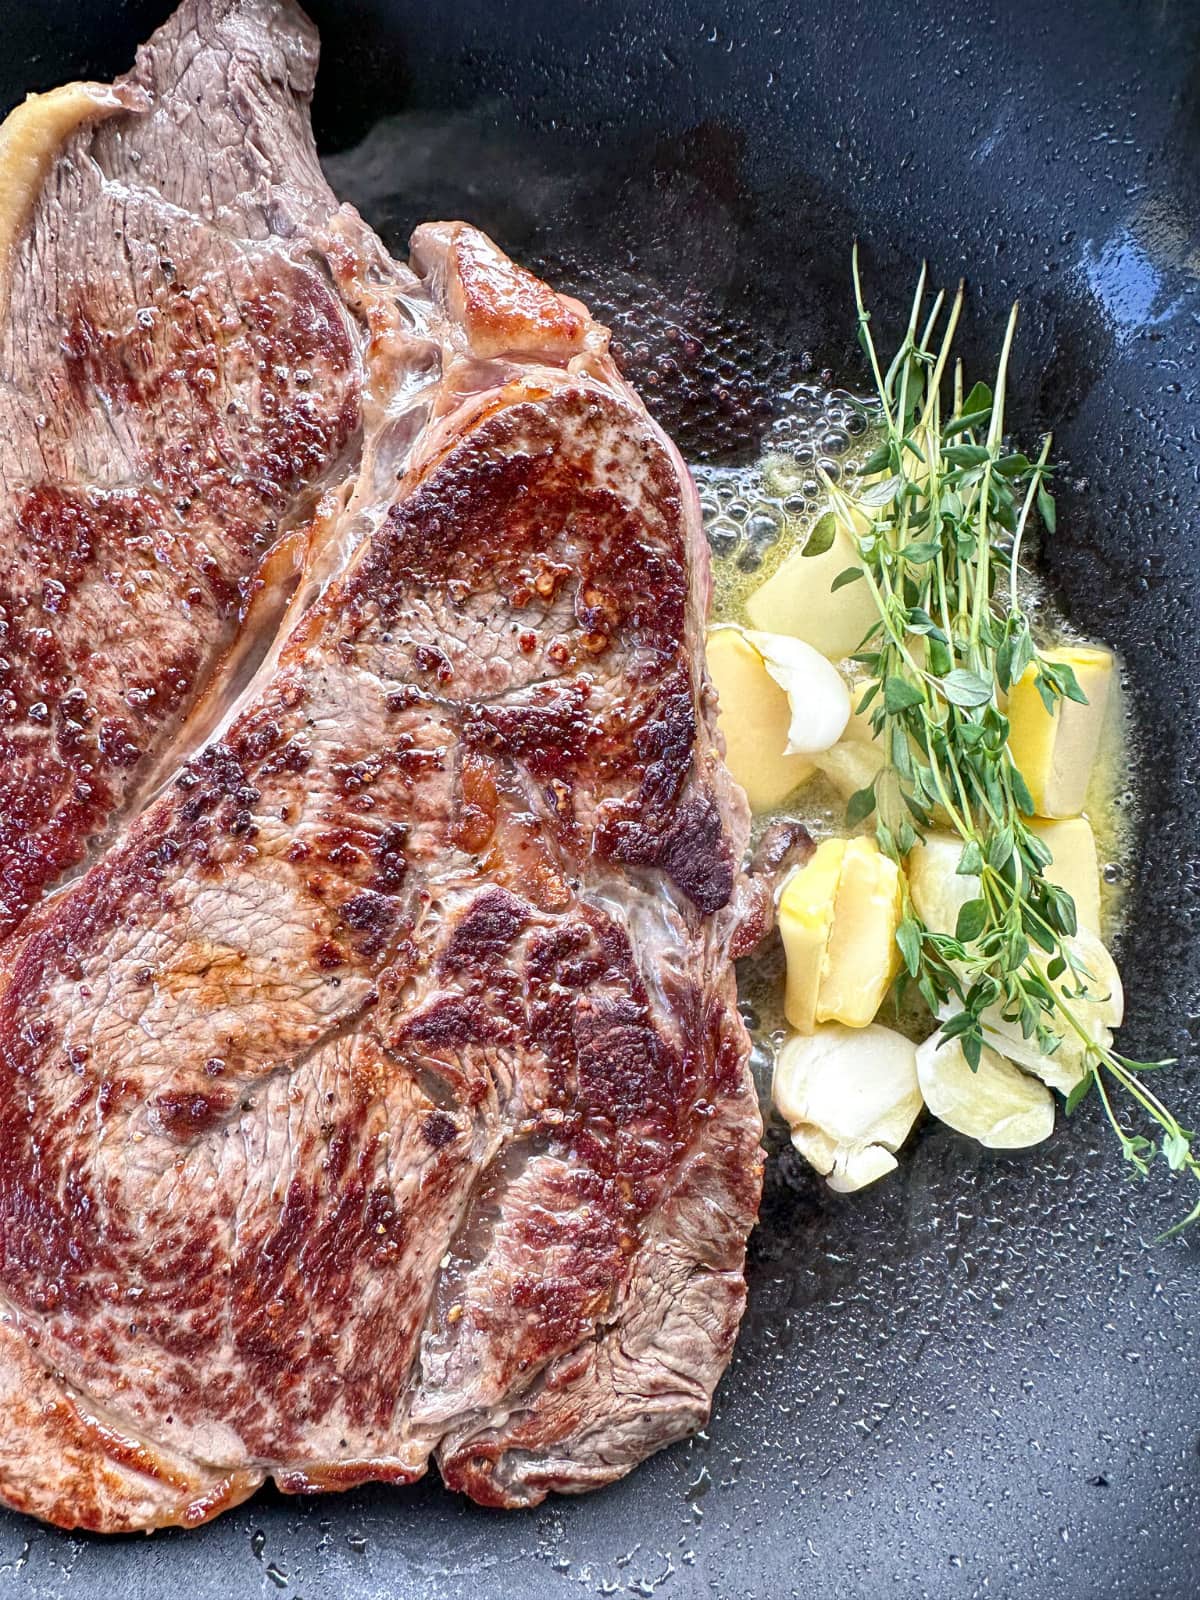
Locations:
978 1378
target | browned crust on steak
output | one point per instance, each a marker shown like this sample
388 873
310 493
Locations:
501 309
380 1092
93 1476
179 381
504 1029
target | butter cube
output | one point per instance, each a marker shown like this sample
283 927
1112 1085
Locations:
1055 751
1075 867
755 715
851 765
838 918
861 958
939 892
805 920
798 598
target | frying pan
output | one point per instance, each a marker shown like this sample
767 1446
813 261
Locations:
978 1378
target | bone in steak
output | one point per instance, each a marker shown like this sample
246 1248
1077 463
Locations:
379 1093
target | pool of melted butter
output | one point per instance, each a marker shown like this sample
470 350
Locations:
755 516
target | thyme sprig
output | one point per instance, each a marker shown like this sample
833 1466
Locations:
938 523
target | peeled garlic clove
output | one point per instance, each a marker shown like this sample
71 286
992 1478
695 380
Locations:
855 1169
1106 993
1061 1069
850 1096
938 892
819 698
1101 1011
998 1104
817 1148
859 1085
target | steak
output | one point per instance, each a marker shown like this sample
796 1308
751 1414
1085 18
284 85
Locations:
180 383
378 1094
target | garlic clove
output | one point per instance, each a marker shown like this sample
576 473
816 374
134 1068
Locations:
816 690
850 1097
998 1104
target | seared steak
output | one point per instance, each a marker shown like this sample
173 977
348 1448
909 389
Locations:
380 1092
179 383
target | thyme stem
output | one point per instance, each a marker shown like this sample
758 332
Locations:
946 506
